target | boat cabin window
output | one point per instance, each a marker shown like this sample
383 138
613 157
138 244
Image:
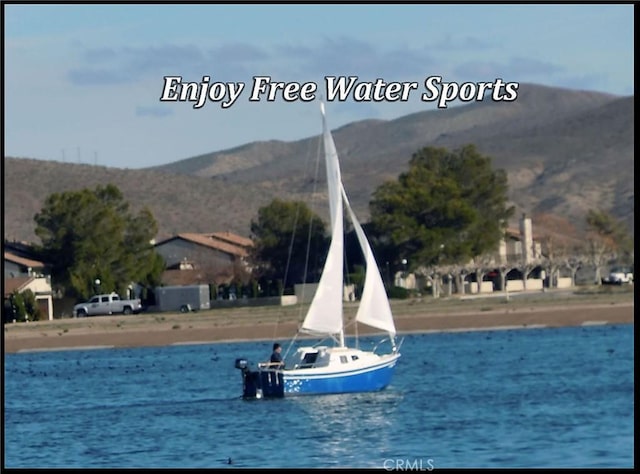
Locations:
310 357
308 360
344 359
354 357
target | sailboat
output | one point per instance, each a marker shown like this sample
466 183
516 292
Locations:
324 369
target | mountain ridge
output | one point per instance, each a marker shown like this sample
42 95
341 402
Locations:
564 152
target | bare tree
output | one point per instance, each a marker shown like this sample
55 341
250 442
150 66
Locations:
433 277
457 274
558 238
573 263
503 270
480 265
525 268
552 259
607 238
599 253
448 272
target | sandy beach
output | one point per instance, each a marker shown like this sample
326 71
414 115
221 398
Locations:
553 309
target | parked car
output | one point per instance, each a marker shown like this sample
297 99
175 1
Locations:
106 304
618 276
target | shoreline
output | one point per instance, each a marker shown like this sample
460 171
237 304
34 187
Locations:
280 323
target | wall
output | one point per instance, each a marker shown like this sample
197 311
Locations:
534 284
485 287
13 270
177 250
564 282
41 288
286 300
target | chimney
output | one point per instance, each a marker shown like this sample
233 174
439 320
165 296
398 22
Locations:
526 238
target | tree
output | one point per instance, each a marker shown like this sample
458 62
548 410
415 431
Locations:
607 239
573 263
559 239
481 265
23 306
285 233
90 235
446 197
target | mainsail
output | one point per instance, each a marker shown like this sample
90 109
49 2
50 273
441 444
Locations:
325 315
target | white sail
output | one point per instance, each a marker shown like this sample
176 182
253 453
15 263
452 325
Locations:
325 313
374 307
334 178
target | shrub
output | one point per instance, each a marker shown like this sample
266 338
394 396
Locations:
398 292
24 306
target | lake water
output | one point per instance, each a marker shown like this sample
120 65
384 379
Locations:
561 397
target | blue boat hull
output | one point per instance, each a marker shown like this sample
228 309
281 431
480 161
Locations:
369 379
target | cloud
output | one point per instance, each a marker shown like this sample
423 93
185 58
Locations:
95 76
466 43
349 56
513 69
330 56
100 66
153 111
98 55
518 69
532 67
155 59
240 61
238 52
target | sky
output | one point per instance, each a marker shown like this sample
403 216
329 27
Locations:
83 83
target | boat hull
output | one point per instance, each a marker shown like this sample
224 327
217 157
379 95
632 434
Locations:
325 381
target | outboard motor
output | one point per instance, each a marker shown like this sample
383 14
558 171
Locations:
261 383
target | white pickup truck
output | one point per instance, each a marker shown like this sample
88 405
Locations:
106 304
618 276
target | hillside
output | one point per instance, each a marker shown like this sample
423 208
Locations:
564 151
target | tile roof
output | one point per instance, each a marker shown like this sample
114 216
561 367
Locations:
233 238
208 241
515 232
27 262
18 283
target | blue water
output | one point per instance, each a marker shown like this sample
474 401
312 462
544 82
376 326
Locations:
523 398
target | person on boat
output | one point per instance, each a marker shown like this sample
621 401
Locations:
276 357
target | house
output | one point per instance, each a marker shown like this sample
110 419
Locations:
17 266
40 286
197 258
519 245
22 272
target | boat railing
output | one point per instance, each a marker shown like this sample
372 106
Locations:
270 366
394 348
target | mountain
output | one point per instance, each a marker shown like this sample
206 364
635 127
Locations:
564 151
